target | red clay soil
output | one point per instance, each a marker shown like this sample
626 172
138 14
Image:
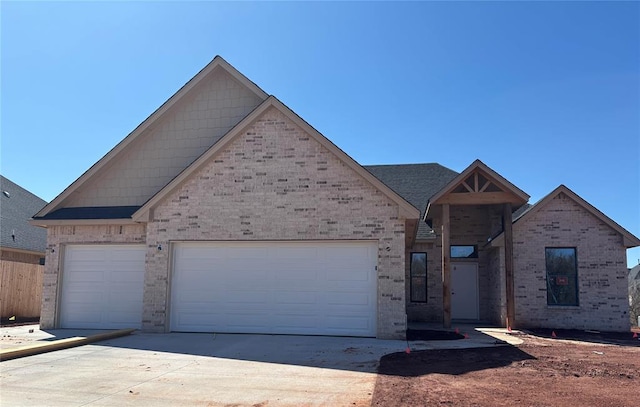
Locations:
540 372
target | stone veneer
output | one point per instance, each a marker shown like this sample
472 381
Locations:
275 182
57 238
602 272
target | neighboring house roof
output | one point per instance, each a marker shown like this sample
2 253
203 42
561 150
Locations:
17 205
98 170
628 239
406 209
416 183
634 276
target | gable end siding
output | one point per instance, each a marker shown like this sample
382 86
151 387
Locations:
602 272
171 144
275 182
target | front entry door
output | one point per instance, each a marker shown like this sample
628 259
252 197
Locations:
464 291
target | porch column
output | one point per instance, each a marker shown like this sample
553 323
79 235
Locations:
446 268
508 265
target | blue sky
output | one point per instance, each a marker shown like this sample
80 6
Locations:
545 93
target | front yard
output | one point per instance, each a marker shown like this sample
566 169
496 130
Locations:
539 372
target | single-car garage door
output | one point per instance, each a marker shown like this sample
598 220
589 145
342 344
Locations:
102 286
312 288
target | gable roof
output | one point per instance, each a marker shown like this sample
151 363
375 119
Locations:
17 205
516 195
217 63
405 208
628 239
416 183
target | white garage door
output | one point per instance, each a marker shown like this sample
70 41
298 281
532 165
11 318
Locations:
275 287
102 286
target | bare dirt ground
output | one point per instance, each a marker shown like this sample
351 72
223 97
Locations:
540 372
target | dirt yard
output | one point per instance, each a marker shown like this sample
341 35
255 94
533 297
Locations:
539 372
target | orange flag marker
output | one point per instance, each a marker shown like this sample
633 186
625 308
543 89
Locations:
408 350
635 335
553 334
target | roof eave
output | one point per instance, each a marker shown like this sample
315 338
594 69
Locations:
44 223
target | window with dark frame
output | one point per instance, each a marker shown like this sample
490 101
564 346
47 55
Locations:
418 270
562 276
464 252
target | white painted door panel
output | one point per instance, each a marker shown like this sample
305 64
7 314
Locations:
315 288
464 291
102 286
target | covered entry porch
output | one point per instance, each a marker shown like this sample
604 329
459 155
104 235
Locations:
476 280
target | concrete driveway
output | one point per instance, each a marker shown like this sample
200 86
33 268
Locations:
200 370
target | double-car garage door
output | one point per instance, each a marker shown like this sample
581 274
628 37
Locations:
314 288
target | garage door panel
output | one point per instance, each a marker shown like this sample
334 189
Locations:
275 287
348 299
293 323
201 321
297 297
254 251
355 323
102 286
240 297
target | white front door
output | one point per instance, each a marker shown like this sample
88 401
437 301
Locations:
464 291
310 288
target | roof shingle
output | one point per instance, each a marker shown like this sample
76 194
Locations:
416 183
17 206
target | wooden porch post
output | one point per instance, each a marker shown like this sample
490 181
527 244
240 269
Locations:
508 265
446 267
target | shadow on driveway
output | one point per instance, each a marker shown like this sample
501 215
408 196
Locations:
344 353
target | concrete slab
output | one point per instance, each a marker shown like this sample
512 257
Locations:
200 369
478 336
208 369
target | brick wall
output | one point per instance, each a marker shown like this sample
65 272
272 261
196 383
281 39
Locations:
496 306
57 238
469 225
602 272
275 182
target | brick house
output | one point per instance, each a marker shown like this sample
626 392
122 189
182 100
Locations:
224 211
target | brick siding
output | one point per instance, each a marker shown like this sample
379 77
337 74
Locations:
275 182
602 272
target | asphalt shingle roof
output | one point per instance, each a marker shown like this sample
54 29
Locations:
17 206
92 212
416 183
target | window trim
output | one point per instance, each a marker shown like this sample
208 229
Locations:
575 304
411 277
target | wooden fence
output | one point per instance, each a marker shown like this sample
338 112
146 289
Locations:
20 289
